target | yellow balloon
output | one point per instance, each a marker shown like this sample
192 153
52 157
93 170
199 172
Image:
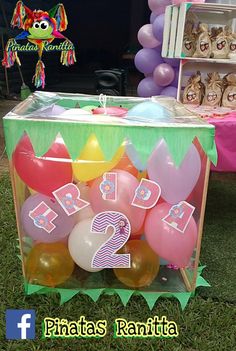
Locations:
144 268
91 162
49 264
32 191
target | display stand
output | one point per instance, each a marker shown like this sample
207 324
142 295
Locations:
52 146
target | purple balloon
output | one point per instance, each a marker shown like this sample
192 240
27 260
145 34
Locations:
159 49
147 88
158 27
147 59
170 91
172 61
158 6
146 37
163 75
63 223
153 16
176 182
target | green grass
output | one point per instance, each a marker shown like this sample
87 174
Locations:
219 239
207 324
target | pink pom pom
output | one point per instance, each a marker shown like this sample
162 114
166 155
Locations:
178 2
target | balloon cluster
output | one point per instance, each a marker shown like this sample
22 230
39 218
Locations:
70 240
161 74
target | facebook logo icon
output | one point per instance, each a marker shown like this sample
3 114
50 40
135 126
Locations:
20 324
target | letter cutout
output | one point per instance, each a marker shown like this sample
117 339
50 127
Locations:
147 194
179 216
106 256
43 216
68 197
108 186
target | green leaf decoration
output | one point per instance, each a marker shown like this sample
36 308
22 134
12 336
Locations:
183 145
183 298
75 142
138 137
200 269
151 298
124 295
105 133
32 289
202 282
42 134
66 295
110 135
13 133
41 138
93 293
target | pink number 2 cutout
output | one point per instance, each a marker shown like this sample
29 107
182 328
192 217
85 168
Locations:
106 256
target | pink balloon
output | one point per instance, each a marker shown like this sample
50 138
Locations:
170 244
163 75
111 110
158 6
126 185
176 182
178 2
63 223
146 37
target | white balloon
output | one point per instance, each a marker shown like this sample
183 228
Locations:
83 244
75 112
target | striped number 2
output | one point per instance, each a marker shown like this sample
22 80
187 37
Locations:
106 256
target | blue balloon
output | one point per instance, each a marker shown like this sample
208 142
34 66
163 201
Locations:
149 110
134 157
163 262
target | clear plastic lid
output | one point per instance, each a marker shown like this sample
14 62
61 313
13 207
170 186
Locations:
154 111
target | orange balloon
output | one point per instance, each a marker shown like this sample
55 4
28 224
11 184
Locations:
145 265
126 165
49 264
142 175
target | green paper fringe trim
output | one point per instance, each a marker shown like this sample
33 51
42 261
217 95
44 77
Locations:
124 294
75 135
